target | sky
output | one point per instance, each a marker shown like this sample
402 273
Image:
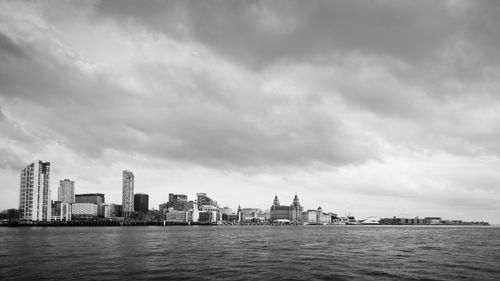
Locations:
373 108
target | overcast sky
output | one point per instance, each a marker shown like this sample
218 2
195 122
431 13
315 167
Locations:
374 108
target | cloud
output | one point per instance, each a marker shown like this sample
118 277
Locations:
261 32
192 114
10 160
8 48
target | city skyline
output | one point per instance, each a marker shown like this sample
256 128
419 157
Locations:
375 109
36 203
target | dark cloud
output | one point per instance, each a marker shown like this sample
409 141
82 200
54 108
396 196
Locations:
261 32
9 48
206 125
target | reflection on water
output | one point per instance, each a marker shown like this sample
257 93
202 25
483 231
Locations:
250 252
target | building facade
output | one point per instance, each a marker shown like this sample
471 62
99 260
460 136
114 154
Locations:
84 210
61 211
95 198
204 200
208 209
179 209
34 198
251 215
112 210
316 217
291 213
141 202
66 191
127 194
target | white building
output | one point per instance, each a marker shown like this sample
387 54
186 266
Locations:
34 199
310 216
66 191
128 193
84 210
316 217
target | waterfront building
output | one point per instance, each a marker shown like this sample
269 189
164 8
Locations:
310 217
127 194
231 218
66 191
208 209
248 215
172 215
11 215
204 200
177 202
162 207
432 220
96 198
399 220
34 198
176 216
112 210
141 202
209 216
227 215
292 213
179 209
84 210
316 217
61 211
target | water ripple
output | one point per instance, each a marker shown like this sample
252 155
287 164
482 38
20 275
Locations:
250 253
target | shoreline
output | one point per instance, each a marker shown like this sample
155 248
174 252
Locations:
164 224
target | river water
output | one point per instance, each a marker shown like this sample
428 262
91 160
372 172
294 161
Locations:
250 253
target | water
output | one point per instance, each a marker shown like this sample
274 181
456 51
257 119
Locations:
250 253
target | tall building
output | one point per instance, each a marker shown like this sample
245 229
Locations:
34 199
141 202
128 193
66 191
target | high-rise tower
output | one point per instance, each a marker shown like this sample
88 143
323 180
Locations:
34 199
66 191
128 193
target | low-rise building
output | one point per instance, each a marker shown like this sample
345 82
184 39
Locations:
84 210
316 217
432 220
112 210
247 215
96 198
61 211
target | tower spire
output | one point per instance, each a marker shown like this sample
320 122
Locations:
276 201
